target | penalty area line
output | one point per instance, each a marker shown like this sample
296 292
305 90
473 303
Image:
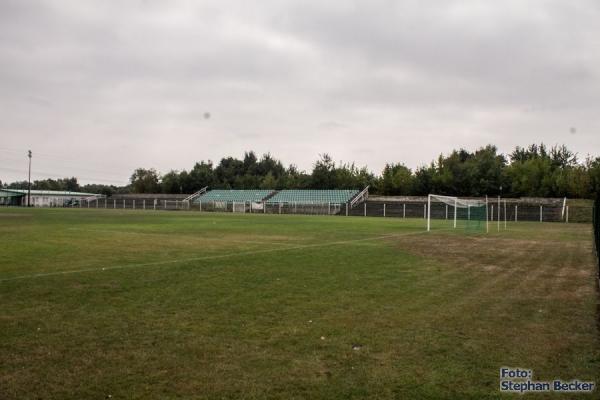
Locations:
205 258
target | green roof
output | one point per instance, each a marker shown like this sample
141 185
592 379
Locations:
9 193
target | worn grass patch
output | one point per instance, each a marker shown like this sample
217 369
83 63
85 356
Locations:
269 306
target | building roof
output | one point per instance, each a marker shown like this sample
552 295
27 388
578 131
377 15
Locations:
9 193
23 192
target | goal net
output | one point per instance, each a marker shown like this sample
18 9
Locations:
239 207
448 212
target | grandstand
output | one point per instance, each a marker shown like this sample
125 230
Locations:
313 196
235 200
276 202
251 195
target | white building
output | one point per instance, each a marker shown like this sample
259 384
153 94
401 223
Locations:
43 198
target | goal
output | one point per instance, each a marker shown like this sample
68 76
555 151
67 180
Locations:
454 212
239 207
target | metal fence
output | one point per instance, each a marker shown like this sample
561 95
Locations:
511 211
269 208
132 204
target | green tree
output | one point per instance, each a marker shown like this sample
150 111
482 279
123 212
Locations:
17 185
269 181
423 181
250 163
107 190
592 167
145 181
227 171
170 183
396 179
201 175
323 173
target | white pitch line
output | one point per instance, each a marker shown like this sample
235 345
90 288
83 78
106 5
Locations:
189 236
213 257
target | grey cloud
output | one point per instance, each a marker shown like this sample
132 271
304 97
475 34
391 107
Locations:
400 81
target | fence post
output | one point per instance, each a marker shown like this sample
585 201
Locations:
115 204
541 212
88 203
567 214
516 212
134 204
123 203
404 210
383 210
329 208
346 209
279 207
165 204
264 207
424 211
492 213
365 207
446 211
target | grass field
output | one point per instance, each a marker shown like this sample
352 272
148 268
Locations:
142 304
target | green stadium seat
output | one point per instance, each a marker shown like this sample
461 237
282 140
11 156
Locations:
234 195
313 196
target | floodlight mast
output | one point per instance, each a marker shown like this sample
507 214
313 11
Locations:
29 180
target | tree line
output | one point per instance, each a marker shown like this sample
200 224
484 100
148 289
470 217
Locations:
532 171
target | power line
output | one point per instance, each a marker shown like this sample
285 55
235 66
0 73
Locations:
29 180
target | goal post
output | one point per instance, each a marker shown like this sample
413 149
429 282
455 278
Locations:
238 207
470 214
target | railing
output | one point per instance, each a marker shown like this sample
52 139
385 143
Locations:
194 195
94 198
362 196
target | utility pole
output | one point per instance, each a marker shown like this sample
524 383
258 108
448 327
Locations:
29 180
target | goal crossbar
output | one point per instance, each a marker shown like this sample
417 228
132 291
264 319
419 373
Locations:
453 201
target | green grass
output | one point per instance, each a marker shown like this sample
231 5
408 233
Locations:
142 304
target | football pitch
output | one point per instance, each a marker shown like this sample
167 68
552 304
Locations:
169 305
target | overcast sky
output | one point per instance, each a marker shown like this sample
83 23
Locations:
97 88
